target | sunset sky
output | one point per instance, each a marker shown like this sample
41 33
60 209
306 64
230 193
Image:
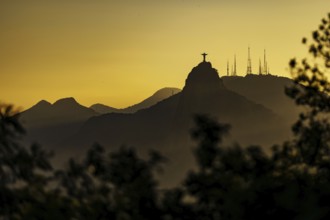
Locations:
118 52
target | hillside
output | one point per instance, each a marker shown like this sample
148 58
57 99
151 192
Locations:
50 123
165 126
267 90
158 96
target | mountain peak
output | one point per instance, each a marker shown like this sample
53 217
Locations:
66 101
203 77
166 92
43 103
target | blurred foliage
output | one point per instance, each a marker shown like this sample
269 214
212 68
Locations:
311 90
24 172
229 182
116 185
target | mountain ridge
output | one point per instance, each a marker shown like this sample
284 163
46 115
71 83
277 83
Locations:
49 123
166 125
146 103
268 90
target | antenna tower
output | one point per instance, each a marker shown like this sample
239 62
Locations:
249 65
235 73
265 63
268 71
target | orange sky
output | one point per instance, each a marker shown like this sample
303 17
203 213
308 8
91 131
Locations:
118 52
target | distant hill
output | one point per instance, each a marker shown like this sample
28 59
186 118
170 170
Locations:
255 107
204 92
267 90
165 126
49 123
150 101
103 109
158 96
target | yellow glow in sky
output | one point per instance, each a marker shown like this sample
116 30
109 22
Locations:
119 52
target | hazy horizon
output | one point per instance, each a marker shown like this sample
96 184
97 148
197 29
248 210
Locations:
120 52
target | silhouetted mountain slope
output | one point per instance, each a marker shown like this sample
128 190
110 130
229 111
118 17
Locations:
267 90
205 92
161 94
150 101
165 126
103 109
37 113
120 128
49 123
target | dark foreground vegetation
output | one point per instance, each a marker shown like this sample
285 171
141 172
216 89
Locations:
230 182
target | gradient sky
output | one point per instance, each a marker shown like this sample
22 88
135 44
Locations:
118 52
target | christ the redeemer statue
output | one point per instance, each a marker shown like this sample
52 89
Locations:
204 56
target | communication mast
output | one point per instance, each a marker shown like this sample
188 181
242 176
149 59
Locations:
249 65
260 69
235 73
265 64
